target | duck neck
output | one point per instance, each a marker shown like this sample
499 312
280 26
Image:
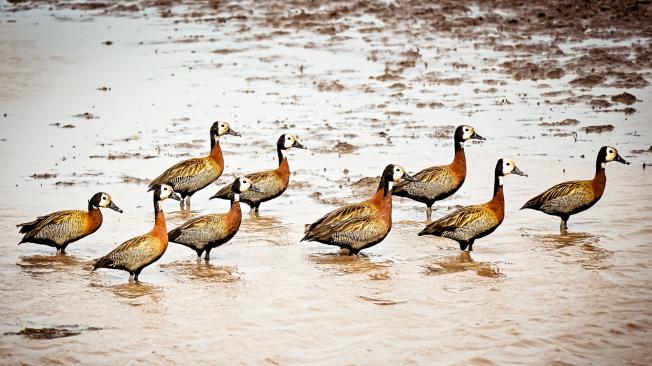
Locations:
459 161
498 186
159 217
384 188
92 207
600 178
281 155
216 151
235 202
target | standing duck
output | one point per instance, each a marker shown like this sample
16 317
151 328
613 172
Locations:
473 222
210 231
439 182
192 175
139 252
361 225
271 183
568 198
61 228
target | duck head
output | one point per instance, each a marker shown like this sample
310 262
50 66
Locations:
102 199
607 154
243 184
464 132
287 141
164 191
221 128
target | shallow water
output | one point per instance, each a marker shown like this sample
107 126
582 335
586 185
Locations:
524 295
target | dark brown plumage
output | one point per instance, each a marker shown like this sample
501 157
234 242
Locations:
210 231
359 226
439 182
568 198
271 183
473 222
192 175
139 252
61 228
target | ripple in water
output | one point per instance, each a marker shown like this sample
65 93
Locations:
460 263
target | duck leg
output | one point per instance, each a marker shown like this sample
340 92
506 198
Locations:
207 257
131 276
463 245
563 225
429 212
199 251
136 275
471 245
188 202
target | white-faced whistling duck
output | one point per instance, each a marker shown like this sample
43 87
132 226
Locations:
210 231
568 198
139 252
439 182
473 222
361 225
192 175
271 183
64 227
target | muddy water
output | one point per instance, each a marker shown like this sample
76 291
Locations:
362 89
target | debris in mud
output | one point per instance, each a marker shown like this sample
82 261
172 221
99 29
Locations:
624 98
333 86
225 51
367 182
566 122
51 333
122 156
59 125
103 88
86 115
107 43
641 151
387 76
600 103
44 175
525 70
64 183
381 301
598 129
344 148
134 180
588 81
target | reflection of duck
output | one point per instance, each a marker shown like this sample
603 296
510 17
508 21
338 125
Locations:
568 198
203 271
192 175
360 225
64 227
272 183
439 182
460 263
473 222
139 252
350 265
42 264
206 232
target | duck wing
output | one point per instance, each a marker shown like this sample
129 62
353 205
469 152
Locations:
180 172
58 226
563 197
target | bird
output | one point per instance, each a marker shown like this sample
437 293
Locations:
61 228
568 198
210 231
137 253
271 183
474 222
360 225
192 175
439 182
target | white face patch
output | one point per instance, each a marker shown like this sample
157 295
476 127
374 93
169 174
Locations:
398 174
611 154
222 129
104 201
468 132
289 141
508 167
236 197
245 184
166 191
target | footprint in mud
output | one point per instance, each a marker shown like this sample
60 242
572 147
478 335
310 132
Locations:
577 246
351 264
52 332
460 263
40 265
201 271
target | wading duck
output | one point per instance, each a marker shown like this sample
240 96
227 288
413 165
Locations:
439 182
473 222
192 175
64 227
210 231
568 198
361 225
271 183
139 252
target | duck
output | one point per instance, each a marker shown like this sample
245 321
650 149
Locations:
189 176
477 221
271 183
61 228
568 198
137 253
439 182
206 232
360 225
